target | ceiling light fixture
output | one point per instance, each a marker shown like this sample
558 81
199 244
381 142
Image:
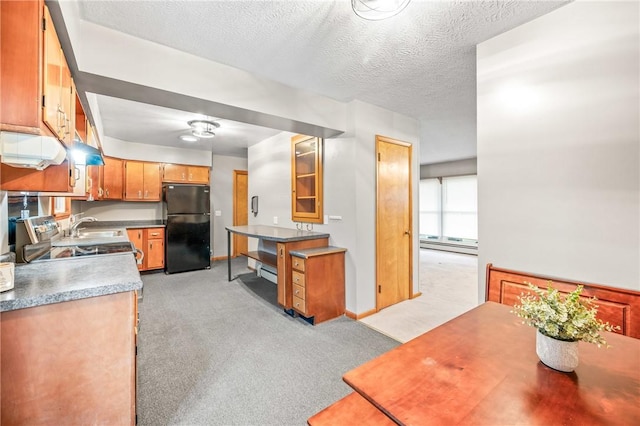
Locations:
376 10
203 128
188 138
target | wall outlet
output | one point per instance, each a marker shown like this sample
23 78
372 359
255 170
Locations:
218 212
275 220
326 219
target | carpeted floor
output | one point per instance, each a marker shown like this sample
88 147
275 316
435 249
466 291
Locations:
213 352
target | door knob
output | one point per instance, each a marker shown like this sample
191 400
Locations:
407 232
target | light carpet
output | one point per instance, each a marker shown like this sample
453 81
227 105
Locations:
449 286
213 352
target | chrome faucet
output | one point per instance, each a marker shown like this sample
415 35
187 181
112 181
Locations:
73 229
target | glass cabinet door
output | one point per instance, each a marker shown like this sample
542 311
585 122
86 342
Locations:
306 179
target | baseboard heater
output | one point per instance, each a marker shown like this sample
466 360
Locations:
455 248
267 272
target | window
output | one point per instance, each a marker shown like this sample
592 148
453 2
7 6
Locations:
449 209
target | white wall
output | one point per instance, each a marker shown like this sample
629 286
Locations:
559 146
222 199
162 154
349 191
119 210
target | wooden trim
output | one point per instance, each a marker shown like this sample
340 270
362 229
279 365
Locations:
217 258
355 316
618 306
415 295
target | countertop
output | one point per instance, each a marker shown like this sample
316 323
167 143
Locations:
57 281
125 224
275 233
318 251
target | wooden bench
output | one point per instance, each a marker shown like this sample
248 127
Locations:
617 306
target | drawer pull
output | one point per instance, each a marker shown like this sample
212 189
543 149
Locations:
155 234
297 291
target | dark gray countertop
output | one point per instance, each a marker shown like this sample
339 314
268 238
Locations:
124 224
57 281
318 251
274 233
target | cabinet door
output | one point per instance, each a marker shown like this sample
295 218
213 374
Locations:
20 50
306 179
136 237
152 183
52 77
52 179
133 180
155 248
67 101
198 174
174 173
111 179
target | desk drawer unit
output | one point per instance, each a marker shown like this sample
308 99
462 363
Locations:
297 278
317 276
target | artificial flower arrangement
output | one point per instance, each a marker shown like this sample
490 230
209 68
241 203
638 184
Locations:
569 318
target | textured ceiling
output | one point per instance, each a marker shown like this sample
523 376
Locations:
420 63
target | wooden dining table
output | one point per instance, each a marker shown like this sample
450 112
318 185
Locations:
481 368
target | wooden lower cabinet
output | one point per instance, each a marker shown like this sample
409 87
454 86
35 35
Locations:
155 248
70 363
151 242
317 278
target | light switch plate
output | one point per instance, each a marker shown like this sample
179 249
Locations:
218 212
275 220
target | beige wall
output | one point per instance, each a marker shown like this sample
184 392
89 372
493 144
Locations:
349 191
559 146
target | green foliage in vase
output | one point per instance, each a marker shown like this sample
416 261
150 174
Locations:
570 318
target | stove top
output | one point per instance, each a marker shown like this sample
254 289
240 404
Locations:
66 252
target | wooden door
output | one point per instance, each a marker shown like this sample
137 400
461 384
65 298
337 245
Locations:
152 184
240 209
393 222
136 238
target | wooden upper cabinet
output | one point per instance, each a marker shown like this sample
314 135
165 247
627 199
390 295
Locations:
180 173
306 179
52 179
20 76
58 94
141 181
111 179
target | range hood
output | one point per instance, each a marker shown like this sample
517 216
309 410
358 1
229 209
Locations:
30 151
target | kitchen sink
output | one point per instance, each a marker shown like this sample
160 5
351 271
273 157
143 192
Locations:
100 233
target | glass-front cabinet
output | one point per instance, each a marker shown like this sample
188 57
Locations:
306 179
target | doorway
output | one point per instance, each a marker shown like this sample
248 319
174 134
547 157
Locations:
393 222
240 209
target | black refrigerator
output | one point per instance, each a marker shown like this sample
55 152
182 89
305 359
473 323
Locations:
187 217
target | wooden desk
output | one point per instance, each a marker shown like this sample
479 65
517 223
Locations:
274 246
482 368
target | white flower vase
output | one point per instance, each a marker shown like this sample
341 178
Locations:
557 354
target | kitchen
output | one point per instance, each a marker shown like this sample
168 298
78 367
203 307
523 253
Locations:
349 188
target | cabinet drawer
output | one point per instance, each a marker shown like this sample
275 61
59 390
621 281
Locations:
298 291
299 305
155 233
297 278
297 263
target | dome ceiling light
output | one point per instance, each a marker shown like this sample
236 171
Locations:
376 10
203 128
